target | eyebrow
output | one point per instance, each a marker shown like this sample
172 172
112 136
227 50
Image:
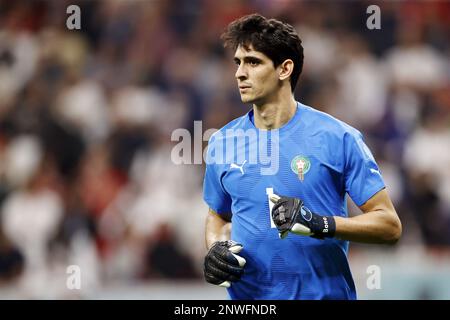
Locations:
248 59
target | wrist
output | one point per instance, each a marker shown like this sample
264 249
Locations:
324 227
329 229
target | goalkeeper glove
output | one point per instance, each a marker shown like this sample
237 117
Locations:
222 264
289 214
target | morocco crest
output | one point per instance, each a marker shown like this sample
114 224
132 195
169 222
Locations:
300 165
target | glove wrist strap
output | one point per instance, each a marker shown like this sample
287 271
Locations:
326 227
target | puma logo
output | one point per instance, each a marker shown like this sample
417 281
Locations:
241 167
375 171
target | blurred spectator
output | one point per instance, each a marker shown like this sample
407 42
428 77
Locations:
362 91
11 261
30 217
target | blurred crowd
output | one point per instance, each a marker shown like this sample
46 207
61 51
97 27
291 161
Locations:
86 118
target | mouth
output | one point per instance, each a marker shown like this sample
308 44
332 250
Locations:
242 87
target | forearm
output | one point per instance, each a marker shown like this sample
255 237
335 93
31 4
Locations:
216 229
370 227
379 222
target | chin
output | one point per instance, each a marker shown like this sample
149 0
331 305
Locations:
247 99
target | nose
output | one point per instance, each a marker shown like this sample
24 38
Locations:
241 73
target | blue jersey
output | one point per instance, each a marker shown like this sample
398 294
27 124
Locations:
320 160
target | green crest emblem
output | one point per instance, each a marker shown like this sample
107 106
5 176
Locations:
300 165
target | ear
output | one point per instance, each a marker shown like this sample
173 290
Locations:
286 69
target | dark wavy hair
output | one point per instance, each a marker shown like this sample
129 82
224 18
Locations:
277 40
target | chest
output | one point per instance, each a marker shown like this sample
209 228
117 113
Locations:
297 168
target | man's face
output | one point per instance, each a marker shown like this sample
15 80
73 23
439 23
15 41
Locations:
256 75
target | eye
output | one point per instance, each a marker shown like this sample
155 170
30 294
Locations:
237 62
253 63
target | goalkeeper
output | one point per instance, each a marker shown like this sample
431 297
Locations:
285 235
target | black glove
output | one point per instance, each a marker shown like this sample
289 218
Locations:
289 214
222 264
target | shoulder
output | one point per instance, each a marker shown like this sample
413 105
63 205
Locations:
322 123
231 128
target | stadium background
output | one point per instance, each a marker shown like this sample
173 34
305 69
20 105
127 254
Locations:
86 118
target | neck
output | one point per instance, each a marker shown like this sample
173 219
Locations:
273 115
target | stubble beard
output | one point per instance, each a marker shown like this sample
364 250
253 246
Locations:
250 99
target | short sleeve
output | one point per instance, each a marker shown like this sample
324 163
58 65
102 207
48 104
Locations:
214 193
363 178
